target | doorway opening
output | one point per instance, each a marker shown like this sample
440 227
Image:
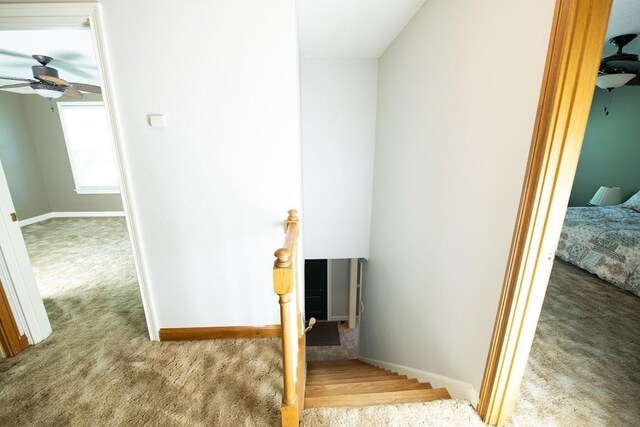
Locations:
573 60
60 168
585 331
332 295
63 180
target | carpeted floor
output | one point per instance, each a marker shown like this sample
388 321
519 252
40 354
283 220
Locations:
98 367
584 366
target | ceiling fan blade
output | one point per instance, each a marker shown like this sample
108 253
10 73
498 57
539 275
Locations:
87 88
628 66
76 69
17 79
66 55
619 57
55 80
72 92
14 54
17 85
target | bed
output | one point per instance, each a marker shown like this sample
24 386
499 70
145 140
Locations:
605 241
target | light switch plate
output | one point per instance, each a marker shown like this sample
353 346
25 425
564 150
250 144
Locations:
157 121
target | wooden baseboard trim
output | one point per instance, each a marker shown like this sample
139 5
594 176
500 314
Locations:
219 332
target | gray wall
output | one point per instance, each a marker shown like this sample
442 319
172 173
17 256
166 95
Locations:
339 287
611 149
19 159
450 160
49 141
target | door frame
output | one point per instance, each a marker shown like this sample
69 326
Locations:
12 341
16 16
575 47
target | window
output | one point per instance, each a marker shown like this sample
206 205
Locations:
88 137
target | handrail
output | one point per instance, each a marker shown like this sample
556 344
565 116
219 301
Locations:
285 284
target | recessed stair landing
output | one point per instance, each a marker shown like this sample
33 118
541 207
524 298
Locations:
356 383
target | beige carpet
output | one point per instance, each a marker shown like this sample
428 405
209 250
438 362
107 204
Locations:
98 367
584 367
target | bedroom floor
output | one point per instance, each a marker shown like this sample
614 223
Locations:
584 367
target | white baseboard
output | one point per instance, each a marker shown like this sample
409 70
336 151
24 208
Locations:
86 214
456 388
33 220
50 215
338 318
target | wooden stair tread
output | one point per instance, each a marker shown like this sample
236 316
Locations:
355 379
319 369
383 398
348 374
347 383
365 387
345 370
335 362
366 381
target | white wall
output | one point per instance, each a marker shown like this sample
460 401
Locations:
338 115
210 191
457 97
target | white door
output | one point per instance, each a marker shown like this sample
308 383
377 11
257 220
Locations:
16 272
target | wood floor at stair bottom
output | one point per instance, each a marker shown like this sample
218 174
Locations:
355 383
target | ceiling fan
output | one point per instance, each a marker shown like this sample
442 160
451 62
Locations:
621 68
48 84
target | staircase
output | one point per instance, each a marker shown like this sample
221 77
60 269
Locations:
355 383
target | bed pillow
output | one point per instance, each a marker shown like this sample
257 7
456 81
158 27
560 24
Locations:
633 202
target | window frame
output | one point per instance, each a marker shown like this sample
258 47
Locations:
87 189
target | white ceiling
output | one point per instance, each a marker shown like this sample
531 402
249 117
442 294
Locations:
352 28
328 28
625 19
72 51
365 28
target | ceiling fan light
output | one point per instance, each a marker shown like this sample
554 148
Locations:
48 93
613 81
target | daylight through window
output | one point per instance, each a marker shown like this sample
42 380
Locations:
90 148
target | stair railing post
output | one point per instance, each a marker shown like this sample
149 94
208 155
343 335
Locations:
284 284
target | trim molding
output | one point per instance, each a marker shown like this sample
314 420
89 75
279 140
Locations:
329 284
219 332
50 215
11 341
35 219
575 47
456 388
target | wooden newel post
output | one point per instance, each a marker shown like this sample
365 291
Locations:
284 286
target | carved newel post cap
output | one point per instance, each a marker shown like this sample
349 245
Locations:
283 257
293 215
